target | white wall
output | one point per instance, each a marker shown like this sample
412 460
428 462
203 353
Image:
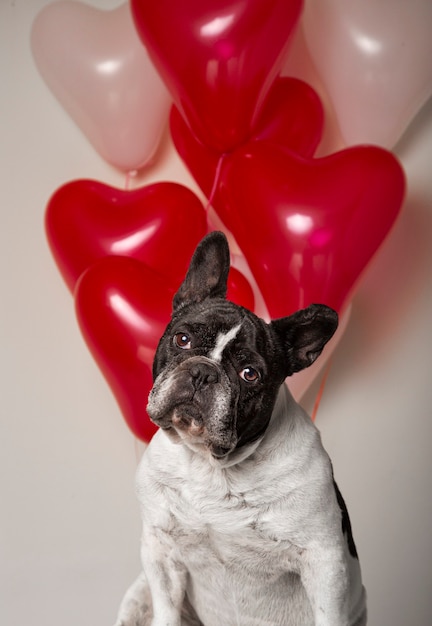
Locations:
69 521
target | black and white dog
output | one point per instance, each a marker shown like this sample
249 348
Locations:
243 523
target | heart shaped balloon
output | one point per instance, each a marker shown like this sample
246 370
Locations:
159 224
309 227
383 73
122 309
292 117
218 59
95 64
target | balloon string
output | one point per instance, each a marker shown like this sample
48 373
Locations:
320 391
215 183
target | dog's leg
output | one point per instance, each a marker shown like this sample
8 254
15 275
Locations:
325 576
136 609
166 576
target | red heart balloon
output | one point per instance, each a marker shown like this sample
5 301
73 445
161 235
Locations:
292 117
159 225
309 227
87 220
218 59
122 308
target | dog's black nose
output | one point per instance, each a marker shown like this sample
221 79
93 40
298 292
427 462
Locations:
203 374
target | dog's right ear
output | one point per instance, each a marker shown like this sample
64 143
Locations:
207 275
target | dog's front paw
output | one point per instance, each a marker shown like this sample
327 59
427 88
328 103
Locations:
134 615
136 608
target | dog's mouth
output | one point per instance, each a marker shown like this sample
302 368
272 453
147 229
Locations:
185 425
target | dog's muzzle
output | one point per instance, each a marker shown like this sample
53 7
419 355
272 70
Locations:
194 400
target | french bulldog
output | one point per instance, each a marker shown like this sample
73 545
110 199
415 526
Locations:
243 523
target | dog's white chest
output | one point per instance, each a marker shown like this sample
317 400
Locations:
232 527
217 525
224 537
243 531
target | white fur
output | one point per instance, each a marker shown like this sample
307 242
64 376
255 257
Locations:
222 340
254 539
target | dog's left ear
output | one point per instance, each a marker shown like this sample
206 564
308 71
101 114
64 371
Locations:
304 334
207 275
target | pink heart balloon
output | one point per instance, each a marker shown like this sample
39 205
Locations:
383 69
98 69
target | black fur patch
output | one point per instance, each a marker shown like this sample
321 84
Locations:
346 522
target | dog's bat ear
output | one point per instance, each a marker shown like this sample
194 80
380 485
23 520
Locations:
304 335
207 275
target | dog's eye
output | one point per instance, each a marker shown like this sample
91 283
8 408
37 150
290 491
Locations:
249 374
183 341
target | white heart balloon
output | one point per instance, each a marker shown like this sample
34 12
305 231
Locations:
375 59
95 64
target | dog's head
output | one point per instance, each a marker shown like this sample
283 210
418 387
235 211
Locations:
218 367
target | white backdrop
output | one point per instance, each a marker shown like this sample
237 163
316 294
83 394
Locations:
69 521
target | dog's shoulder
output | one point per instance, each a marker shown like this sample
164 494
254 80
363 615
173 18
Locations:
292 446
294 482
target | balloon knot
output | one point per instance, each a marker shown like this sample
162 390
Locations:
129 176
